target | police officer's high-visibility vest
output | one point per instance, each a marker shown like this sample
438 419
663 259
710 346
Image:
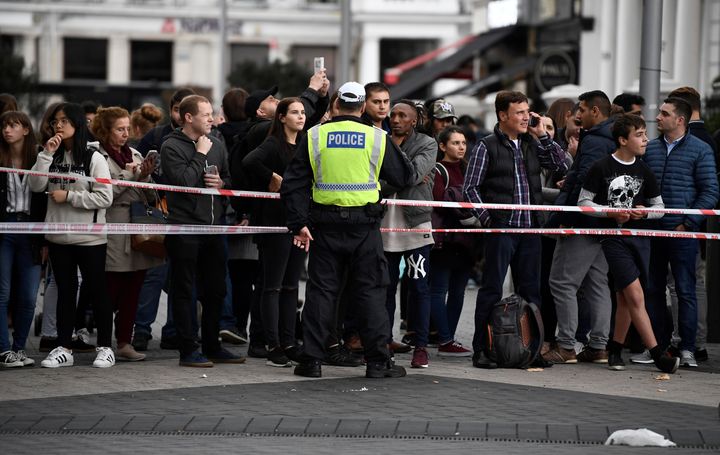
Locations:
346 157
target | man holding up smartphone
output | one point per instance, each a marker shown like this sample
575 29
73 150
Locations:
191 158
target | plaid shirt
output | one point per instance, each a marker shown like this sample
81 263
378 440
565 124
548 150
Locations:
550 156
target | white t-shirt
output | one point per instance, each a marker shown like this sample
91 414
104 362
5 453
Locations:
397 242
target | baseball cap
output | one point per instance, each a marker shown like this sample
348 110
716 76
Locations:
443 109
252 103
352 92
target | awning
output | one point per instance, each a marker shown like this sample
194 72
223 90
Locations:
507 72
423 76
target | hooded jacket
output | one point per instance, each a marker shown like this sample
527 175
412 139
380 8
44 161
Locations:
182 165
595 143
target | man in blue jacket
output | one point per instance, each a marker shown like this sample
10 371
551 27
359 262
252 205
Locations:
685 167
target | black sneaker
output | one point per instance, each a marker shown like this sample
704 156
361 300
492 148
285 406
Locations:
257 351
615 361
47 344
379 370
701 355
293 353
667 364
540 362
140 341
171 342
233 335
276 358
409 339
81 342
340 356
225 356
309 369
480 360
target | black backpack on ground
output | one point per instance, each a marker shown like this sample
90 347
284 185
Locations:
514 333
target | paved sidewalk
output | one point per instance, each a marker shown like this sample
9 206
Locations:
449 406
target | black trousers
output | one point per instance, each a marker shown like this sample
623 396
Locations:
201 260
360 254
91 260
282 264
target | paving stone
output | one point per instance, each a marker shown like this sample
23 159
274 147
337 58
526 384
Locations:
686 437
322 426
232 425
113 422
711 437
472 429
203 423
142 423
532 431
412 428
173 423
51 423
593 433
292 425
82 423
352 427
557 432
263 425
502 430
20 423
382 427
442 428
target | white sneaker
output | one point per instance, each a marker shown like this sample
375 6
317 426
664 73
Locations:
9 359
687 359
105 357
645 358
58 357
23 357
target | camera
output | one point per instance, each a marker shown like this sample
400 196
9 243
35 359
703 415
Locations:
534 121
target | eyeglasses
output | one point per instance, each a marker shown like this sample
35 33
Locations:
61 122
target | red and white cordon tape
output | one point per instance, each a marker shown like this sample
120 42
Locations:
187 229
400 202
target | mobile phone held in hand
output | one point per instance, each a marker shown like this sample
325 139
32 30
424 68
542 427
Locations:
212 169
152 155
318 64
534 121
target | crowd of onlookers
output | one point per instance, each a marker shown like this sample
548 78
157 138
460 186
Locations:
597 294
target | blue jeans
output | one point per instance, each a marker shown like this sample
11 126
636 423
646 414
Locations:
418 271
16 260
149 300
447 279
681 254
520 252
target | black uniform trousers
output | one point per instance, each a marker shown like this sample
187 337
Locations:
357 250
201 259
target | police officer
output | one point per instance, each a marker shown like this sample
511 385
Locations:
331 191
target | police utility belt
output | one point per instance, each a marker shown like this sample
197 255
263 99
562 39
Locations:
329 214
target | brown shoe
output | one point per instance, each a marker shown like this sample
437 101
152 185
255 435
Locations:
593 355
560 355
399 348
354 344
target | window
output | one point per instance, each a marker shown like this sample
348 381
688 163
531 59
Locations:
257 53
304 56
85 58
151 61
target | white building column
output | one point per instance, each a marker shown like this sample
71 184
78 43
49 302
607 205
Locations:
590 43
627 61
118 60
182 62
51 58
667 56
687 43
29 49
608 45
369 65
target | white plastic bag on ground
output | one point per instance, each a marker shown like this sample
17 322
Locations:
638 438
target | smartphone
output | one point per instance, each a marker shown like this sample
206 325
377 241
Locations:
152 155
534 121
212 169
318 64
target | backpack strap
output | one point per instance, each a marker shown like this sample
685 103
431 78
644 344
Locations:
442 170
537 322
